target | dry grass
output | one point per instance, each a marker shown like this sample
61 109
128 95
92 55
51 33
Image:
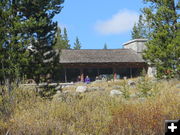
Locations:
93 113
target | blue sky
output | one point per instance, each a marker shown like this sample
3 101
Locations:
97 22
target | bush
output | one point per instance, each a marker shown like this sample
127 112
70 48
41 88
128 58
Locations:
47 92
89 116
147 117
125 89
144 86
94 113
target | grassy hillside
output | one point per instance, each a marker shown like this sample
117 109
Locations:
140 110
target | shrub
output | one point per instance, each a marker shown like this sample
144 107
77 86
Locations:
144 86
147 117
47 92
94 113
125 89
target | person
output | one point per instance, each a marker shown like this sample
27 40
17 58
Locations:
78 79
97 78
87 80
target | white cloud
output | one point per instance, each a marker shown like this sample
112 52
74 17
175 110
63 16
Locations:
122 21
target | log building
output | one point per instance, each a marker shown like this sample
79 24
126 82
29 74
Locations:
93 62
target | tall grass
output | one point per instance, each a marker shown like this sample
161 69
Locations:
94 113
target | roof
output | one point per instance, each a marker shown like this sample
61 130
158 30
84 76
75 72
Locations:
100 56
135 40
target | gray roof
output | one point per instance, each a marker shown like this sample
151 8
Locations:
100 56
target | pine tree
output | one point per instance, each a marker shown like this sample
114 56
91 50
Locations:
43 30
139 30
3 14
12 42
135 32
77 44
27 37
59 40
66 40
62 41
105 46
164 47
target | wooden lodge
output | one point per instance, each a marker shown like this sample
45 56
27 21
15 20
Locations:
126 62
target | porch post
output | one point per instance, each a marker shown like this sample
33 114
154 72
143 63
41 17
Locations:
130 72
82 74
114 73
98 71
65 76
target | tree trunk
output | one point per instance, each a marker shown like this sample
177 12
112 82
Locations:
8 85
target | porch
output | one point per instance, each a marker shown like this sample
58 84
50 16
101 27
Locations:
112 70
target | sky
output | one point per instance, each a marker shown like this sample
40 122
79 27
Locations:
96 22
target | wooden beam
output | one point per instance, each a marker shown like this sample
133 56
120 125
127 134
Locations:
82 74
130 72
115 73
98 71
105 65
65 76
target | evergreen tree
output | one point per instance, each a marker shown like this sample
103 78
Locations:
77 44
164 47
139 30
59 40
27 25
12 42
42 32
135 32
3 14
62 41
105 46
66 40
